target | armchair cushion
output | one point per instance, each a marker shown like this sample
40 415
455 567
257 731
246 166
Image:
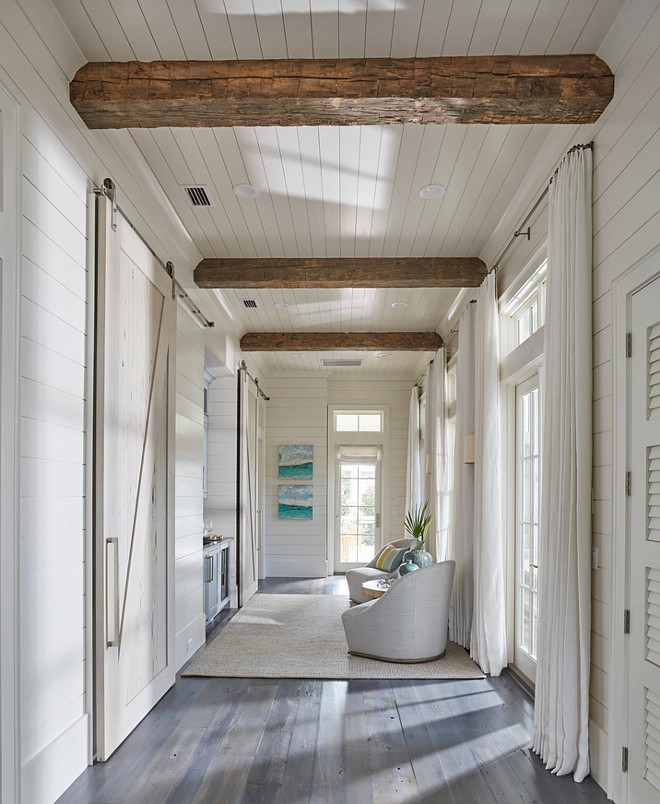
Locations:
390 558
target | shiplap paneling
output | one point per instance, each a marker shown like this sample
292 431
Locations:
625 222
188 505
297 414
220 505
61 161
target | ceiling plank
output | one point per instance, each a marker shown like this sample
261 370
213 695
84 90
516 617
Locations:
342 272
316 92
340 341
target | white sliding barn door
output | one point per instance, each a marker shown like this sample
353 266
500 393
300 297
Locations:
644 423
134 494
248 493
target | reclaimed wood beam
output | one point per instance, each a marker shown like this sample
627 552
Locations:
344 272
340 92
341 341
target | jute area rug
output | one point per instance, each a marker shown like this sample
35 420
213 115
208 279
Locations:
301 636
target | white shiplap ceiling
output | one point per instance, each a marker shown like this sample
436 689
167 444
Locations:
331 191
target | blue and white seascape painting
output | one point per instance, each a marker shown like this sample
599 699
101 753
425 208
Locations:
296 502
296 462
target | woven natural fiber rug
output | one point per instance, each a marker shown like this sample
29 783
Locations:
301 636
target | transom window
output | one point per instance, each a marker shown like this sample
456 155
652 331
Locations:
357 422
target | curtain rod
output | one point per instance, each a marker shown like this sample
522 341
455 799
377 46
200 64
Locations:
242 366
520 232
109 189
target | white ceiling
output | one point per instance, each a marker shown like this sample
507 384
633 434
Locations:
340 191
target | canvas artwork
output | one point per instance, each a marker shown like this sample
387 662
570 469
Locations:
296 502
296 462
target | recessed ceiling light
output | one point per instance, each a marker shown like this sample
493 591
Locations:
297 354
246 190
282 305
433 191
384 354
399 305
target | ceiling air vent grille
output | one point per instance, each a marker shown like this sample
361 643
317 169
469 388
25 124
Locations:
198 195
340 363
249 303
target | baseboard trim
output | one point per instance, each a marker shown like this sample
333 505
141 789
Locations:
598 762
295 567
195 631
525 684
48 774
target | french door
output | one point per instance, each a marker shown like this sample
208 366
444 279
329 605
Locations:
134 481
528 455
358 504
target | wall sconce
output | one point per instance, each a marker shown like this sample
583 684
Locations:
468 449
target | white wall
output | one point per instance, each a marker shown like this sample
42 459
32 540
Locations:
297 414
62 162
220 505
626 218
189 603
395 394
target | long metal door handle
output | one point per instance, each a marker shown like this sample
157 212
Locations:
112 593
211 559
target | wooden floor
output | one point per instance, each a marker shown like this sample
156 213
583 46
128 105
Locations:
291 741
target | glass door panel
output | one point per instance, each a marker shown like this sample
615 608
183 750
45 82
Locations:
358 514
527 523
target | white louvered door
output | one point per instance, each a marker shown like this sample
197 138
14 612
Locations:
644 690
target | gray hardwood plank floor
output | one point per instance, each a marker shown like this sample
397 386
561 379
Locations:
293 741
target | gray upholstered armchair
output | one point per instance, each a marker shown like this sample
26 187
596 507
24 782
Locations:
409 622
356 577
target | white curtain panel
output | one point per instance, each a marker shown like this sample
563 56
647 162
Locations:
488 636
561 714
438 480
462 542
414 488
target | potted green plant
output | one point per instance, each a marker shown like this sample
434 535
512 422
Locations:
417 524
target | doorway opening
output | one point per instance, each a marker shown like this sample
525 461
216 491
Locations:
357 472
358 506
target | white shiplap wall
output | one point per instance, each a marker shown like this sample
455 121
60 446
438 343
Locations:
188 507
54 424
220 505
297 414
396 395
62 161
626 216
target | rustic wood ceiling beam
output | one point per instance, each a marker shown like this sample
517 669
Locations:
345 272
340 92
341 341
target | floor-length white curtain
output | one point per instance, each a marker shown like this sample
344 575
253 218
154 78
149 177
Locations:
460 618
438 477
561 713
414 486
477 619
488 635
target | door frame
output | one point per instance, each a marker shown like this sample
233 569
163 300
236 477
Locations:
337 439
378 500
641 273
10 295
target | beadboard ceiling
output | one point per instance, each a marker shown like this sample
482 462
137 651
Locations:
333 191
